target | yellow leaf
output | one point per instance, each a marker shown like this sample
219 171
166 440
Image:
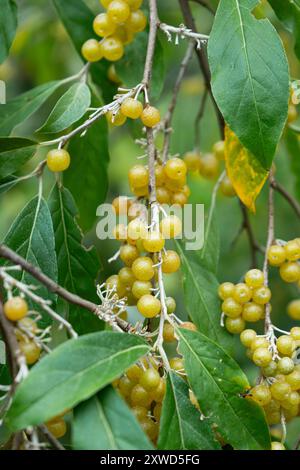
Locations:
244 170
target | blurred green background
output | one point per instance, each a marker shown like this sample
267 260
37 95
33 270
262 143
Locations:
42 51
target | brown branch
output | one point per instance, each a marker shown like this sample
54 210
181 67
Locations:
204 4
190 23
246 225
52 286
287 196
168 119
12 346
50 438
199 117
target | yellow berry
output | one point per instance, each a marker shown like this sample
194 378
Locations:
139 396
171 227
153 242
112 75
132 108
15 308
280 390
138 176
254 278
262 295
30 350
175 169
262 357
252 312
142 268
261 394
168 333
292 113
219 150
179 198
163 195
226 290
294 309
176 363
285 345
232 308
140 288
136 22
103 26
112 48
292 250
170 262
149 379
285 365
295 333
227 187
57 427
118 11
128 254
293 379
259 342
235 325
192 160
187 325
120 232
117 119
121 205
276 255
134 4
136 229
149 306
126 276
209 166
290 271
92 50
150 116
242 293
58 160
247 337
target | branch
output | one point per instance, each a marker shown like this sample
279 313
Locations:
189 21
50 438
199 117
12 346
287 196
270 239
182 32
246 225
52 286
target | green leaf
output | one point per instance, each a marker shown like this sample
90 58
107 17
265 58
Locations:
209 254
130 68
31 236
8 26
218 383
69 109
104 422
23 106
87 173
73 372
78 21
293 147
201 294
77 266
14 153
256 75
289 14
181 426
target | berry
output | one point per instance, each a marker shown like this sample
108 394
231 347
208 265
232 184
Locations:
149 427
150 116
285 365
58 160
142 268
125 386
92 50
290 271
124 35
280 390
276 255
140 192
157 411
149 306
154 242
295 333
254 278
294 309
292 250
136 22
209 166
270 370
128 254
140 288
103 26
175 169
112 75
105 3
261 394
171 226
176 363
231 308
114 283
139 396
29 324
159 175
171 305
179 198
262 357
192 160
137 210
163 196
138 176
175 185
227 187
121 205
259 342
118 11
187 325
132 108
134 373
252 312
136 229
292 113
235 325
112 48
262 295
30 350
120 232
134 4
140 412
159 392
168 333
285 345
242 293
219 149
277 446
170 262
293 379
226 290
247 337
57 427
150 379
15 308
126 276
117 119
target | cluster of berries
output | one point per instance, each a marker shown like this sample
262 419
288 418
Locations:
245 301
286 257
132 108
209 166
117 28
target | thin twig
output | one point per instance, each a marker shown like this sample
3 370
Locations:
50 438
199 117
52 286
287 196
254 245
270 239
189 21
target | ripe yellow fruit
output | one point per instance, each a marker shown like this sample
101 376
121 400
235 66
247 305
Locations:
58 160
132 108
175 169
192 160
138 176
118 11
57 427
219 150
92 50
171 227
30 350
103 26
149 306
150 116
115 119
112 48
170 262
153 242
15 308
136 22
209 166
